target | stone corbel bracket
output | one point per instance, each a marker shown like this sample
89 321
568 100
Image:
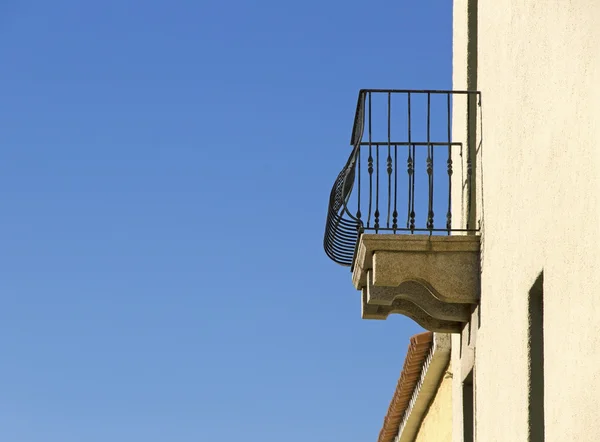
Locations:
412 311
435 280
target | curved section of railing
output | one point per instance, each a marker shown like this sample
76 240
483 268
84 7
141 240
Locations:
342 229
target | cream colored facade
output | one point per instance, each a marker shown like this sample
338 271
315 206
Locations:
537 65
437 424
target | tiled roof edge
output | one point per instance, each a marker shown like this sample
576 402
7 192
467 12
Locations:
418 349
433 370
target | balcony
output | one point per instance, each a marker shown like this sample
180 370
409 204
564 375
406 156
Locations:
402 212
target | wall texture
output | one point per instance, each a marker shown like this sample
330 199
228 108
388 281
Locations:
437 425
538 68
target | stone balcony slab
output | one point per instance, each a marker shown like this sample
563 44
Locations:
435 280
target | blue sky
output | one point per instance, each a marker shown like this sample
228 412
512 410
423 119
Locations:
164 175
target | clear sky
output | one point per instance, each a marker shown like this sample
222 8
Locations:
165 168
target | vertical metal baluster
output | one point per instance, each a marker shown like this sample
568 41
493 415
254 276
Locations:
370 167
449 162
413 214
359 169
410 215
395 214
409 166
389 161
376 224
429 165
410 220
469 165
408 163
359 173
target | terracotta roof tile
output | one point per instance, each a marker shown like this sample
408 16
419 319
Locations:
419 347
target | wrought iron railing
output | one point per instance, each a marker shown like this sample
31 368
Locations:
399 175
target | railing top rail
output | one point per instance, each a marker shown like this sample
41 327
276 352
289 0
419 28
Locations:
359 114
420 91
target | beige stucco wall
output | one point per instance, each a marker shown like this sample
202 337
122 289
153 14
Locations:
437 424
538 67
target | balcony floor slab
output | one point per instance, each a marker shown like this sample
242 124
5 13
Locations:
434 280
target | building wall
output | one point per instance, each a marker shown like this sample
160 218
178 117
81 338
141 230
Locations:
538 68
464 65
437 424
